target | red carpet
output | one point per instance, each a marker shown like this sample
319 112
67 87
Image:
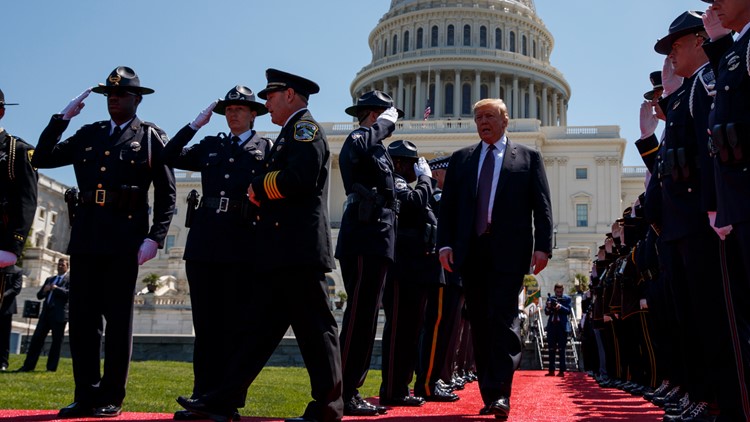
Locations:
536 398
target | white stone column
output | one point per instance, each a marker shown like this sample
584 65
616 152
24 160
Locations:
496 88
386 88
563 215
437 102
554 108
419 101
563 113
532 101
477 86
457 94
615 188
400 93
602 220
551 168
545 107
516 103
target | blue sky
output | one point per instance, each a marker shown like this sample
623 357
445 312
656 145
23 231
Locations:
192 52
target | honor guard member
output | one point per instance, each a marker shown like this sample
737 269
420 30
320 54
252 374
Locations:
415 275
221 236
17 193
730 137
292 256
366 238
115 163
685 173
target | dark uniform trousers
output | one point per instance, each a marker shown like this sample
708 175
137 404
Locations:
639 349
492 306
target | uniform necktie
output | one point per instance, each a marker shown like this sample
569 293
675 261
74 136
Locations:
235 144
116 133
484 189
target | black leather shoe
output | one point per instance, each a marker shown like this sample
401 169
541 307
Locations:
76 410
673 396
186 415
438 394
444 385
412 401
207 410
661 390
108 411
500 408
359 407
301 419
699 413
23 369
457 383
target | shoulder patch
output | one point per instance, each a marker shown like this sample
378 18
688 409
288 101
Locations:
305 131
401 184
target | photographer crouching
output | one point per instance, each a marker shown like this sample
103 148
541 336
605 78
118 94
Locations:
558 327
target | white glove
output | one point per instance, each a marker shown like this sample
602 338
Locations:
7 259
390 114
422 168
203 117
643 303
669 80
75 106
722 232
649 121
147 251
712 24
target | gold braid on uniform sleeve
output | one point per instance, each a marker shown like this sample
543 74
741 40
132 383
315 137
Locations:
269 184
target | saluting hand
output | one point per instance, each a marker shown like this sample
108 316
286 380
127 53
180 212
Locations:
648 120
422 168
204 116
75 106
712 24
669 80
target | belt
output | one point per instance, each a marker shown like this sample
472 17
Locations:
99 197
222 204
354 197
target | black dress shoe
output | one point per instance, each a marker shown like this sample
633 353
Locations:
76 410
500 408
108 411
301 419
207 410
359 407
445 386
186 415
412 401
23 369
438 394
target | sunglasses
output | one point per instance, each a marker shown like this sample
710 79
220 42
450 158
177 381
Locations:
119 93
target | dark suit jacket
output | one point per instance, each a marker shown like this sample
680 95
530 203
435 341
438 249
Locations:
57 306
13 284
521 214
102 163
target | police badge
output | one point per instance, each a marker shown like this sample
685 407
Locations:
305 131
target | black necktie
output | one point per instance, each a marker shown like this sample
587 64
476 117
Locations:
235 144
484 189
116 133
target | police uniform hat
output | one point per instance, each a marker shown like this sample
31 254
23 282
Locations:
687 23
372 100
403 149
123 77
439 163
656 85
240 95
279 81
2 100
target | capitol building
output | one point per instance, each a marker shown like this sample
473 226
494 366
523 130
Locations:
446 55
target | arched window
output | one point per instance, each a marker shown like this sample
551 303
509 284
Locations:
448 106
499 39
420 35
512 42
484 91
524 50
406 42
434 36
395 44
451 35
467 35
466 99
483 36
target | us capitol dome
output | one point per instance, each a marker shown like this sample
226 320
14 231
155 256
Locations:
449 54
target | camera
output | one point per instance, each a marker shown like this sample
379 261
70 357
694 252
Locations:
551 302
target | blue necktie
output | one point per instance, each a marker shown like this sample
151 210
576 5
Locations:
484 189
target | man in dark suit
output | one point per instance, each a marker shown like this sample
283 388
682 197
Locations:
485 233
221 235
54 317
293 253
11 280
557 309
115 163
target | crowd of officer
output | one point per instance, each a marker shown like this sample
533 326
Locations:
668 314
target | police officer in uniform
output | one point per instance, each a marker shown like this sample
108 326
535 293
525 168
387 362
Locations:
220 239
292 255
17 193
415 275
685 175
115 162
367 237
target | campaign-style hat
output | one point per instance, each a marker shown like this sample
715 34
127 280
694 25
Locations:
279 81
123 77
403 149
439 163
372 100
655 83
686 23
240 95
2 100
